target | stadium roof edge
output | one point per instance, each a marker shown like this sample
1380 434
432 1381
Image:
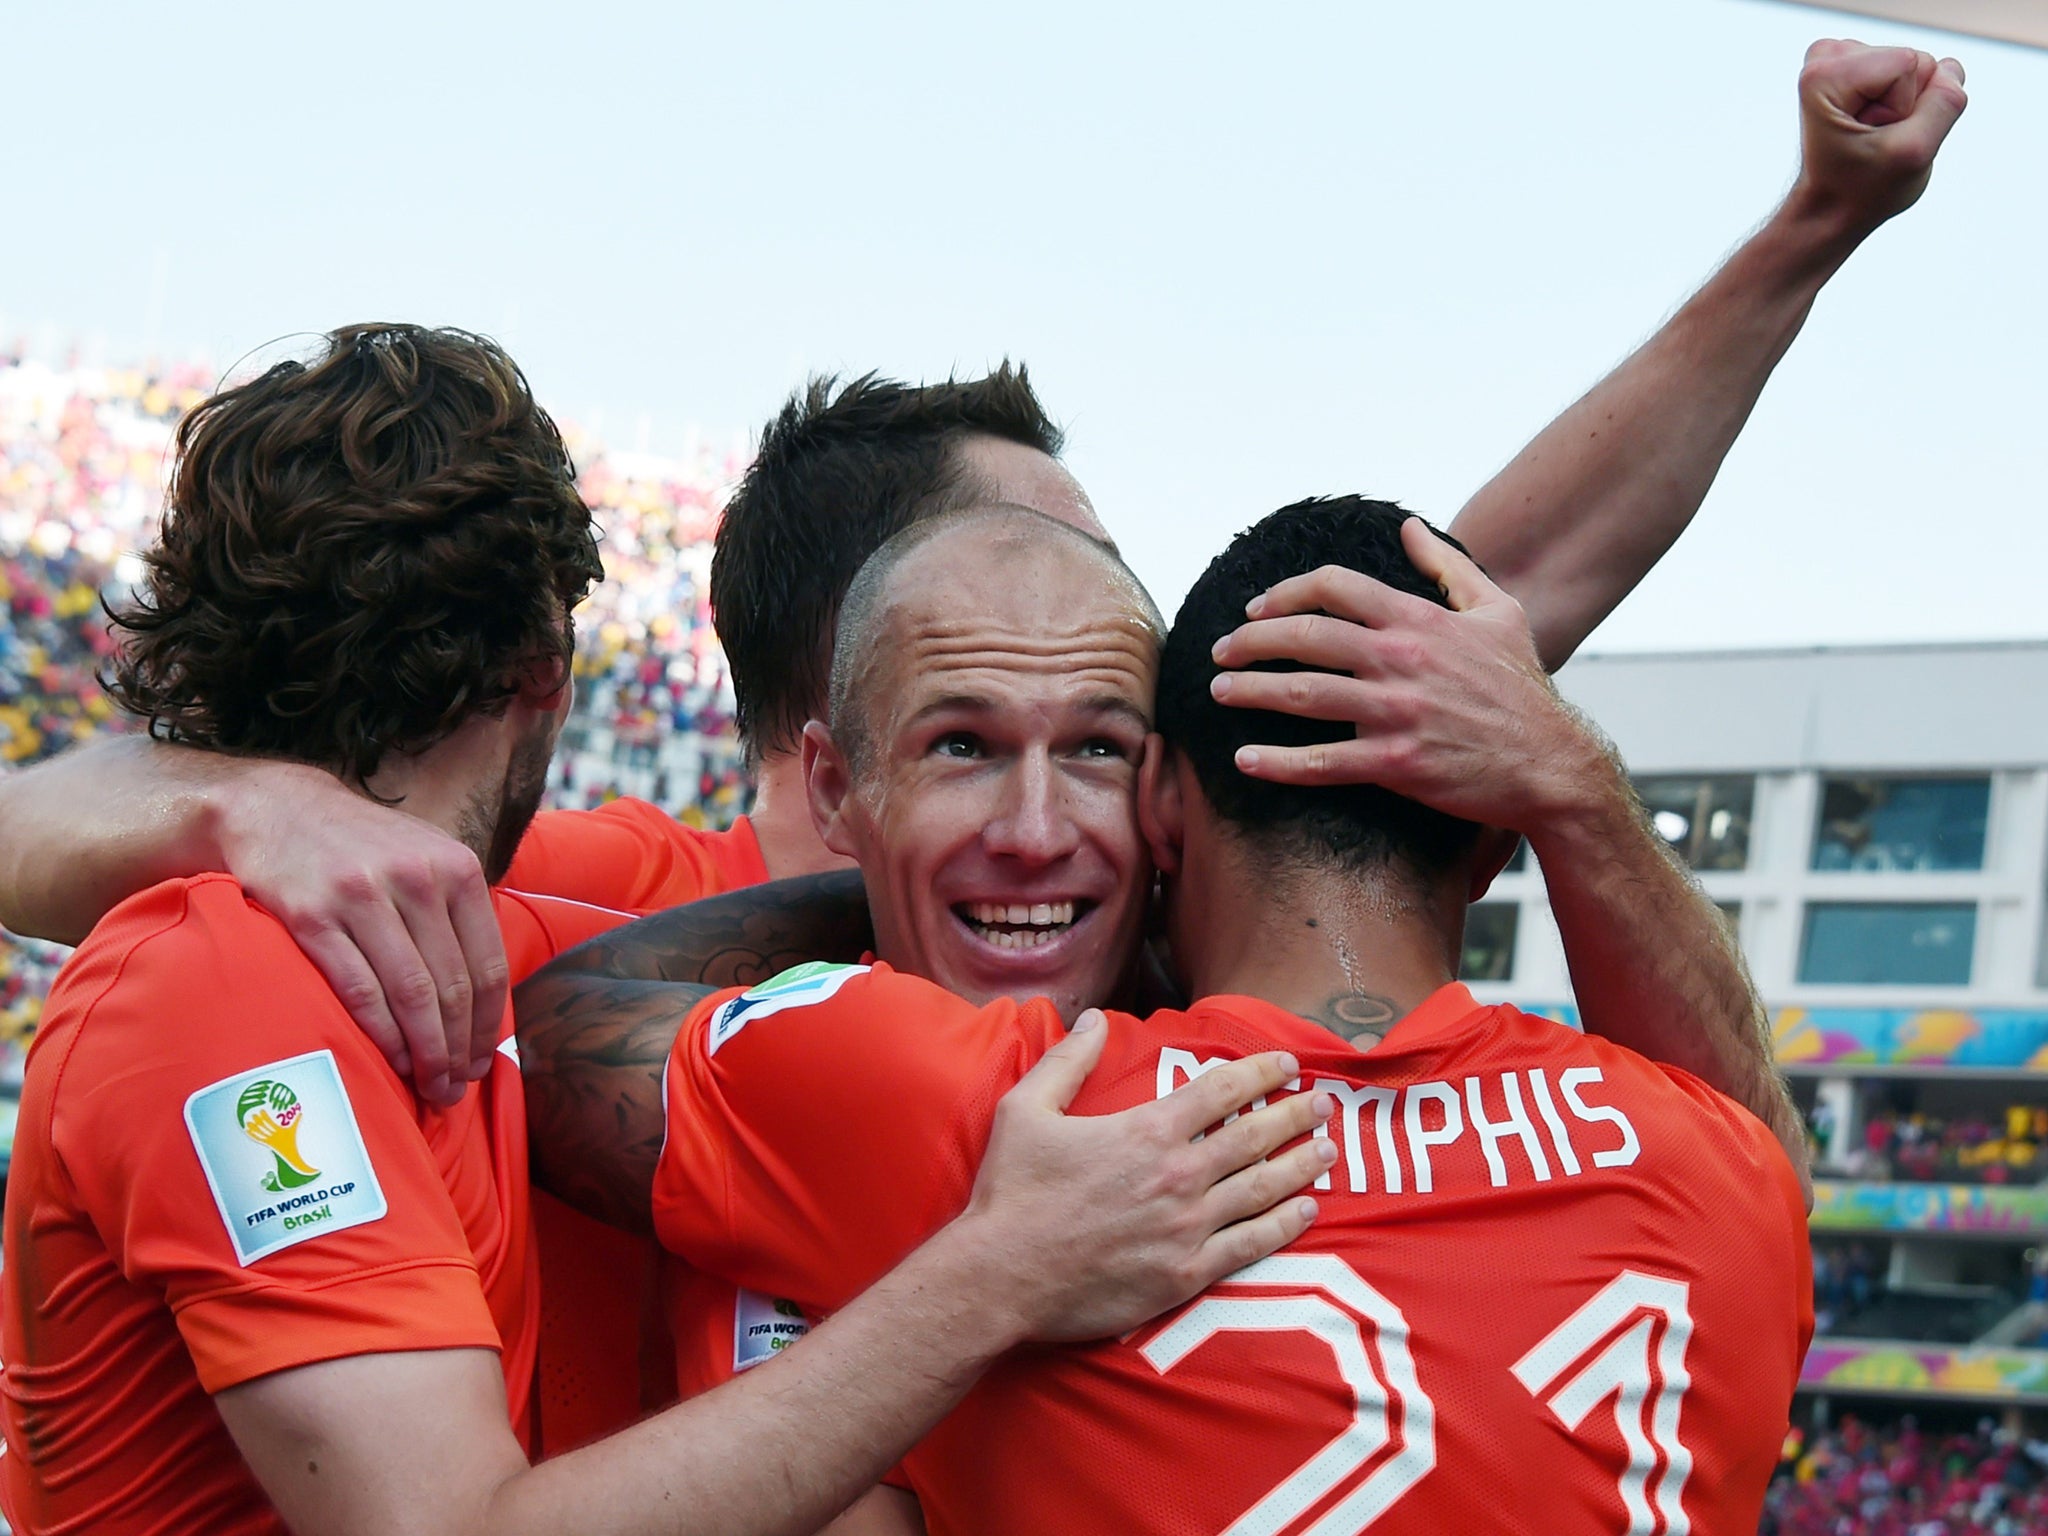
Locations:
2007 21
1769 652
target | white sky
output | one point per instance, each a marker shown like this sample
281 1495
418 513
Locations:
1249 253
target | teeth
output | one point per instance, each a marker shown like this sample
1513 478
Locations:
1045 914
1012 938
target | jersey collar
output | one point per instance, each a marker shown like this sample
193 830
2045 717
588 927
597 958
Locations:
1444 1011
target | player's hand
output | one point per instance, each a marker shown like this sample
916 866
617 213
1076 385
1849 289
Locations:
1451 707
1091 1224
394 913
1870 123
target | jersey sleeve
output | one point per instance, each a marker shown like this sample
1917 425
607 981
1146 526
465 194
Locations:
626 854
244 1151
822 1125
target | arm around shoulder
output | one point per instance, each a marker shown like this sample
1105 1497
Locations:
83 832
394 913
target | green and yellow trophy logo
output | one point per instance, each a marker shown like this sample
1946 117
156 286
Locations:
270 1113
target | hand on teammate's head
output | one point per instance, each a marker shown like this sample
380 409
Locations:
1449 705
1871 122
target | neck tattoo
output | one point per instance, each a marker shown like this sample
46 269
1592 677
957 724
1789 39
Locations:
1359 1017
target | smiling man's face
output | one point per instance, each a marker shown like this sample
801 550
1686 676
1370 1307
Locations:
991 797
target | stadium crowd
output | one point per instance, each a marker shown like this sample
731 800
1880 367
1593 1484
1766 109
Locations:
1903 1481
82 452
1992 1148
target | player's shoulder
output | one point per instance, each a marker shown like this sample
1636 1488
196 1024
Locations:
733 853
1675 1105
204 901
813 987
185 976
537 927
624 810
563 829
631 853
192 926
872 1001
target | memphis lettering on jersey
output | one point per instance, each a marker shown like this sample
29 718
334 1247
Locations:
1527 1127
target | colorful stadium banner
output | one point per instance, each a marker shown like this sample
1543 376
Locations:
1994 1039
1924 1370
1962 1208
2006 1038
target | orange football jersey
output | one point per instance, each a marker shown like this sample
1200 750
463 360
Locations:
634 856
216 1176
609 1300
1554 1288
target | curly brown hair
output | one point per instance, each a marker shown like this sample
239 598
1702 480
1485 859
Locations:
359 554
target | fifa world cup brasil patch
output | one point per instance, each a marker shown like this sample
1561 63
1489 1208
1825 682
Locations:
797 987
762 1327
283 1154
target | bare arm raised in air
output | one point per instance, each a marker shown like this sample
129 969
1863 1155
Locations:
1452 708
1579 517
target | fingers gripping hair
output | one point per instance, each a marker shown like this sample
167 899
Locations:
1356 826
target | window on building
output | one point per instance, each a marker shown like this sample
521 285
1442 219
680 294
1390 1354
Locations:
2041 953
1490 941
1876 943
1705 818
1902 824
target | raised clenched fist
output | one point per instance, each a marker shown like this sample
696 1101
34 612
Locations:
1871 122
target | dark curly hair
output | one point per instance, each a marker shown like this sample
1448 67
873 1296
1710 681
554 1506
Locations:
840 469
359 553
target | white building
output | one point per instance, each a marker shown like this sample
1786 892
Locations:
1875 819
1875 823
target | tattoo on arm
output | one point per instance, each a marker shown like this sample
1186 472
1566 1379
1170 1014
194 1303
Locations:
596 1026
736 939
591 1054
1359 1017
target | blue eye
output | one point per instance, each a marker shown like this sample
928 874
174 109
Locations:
957 744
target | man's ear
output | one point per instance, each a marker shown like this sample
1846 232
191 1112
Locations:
1161 817
1490 856
828 785
542 681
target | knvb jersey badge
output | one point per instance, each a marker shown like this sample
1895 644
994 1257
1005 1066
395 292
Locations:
283 1155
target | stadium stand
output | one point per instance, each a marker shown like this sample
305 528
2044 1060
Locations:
1905 1481
2000 1145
